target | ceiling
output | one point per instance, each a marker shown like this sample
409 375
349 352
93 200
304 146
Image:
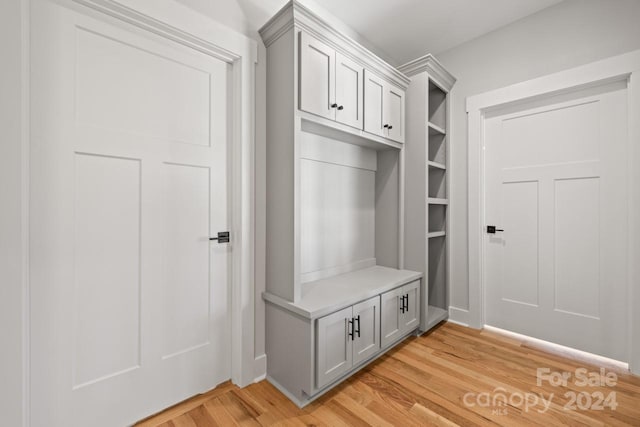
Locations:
398 30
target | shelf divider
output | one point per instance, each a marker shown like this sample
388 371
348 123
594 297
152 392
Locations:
436 201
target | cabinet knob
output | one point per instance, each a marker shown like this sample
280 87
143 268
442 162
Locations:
390 127
385 126
341 107
334 105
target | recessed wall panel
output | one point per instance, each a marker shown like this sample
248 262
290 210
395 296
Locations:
187 289
107 267
577 246
520 239
337 215
558 135
126 88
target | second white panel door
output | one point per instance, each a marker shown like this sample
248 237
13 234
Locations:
556 183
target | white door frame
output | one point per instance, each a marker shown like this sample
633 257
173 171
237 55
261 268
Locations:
623 67
179 24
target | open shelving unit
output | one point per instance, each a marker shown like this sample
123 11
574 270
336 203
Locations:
427 184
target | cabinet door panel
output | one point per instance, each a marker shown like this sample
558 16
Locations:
366 340
374 95
390 317
394 113
349 88
317 77
411 316
333 346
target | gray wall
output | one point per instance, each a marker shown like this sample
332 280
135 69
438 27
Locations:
573 33
11 365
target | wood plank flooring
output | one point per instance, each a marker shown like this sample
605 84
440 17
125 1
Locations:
451 376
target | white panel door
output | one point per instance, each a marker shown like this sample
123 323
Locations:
334 346
366 329
129 298
374 108
556 184
317 77
349 92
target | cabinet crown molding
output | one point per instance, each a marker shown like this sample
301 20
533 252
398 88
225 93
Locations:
432 66
295 14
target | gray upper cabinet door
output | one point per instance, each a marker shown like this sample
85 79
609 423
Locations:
349 92
366 327
411 315
391 316
334 346
317 77
374 110
394 112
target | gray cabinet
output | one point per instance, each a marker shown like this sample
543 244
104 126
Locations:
330 83
346 338
317 77
400 312
384 108
334 346
366 341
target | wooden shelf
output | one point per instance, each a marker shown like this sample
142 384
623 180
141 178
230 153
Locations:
434 129
434 201
436 165
433 234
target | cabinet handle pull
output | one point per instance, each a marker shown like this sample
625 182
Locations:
357 331
350 327
334 105
402 304
341 107
385 126
406 302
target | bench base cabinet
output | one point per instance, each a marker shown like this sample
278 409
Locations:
308 356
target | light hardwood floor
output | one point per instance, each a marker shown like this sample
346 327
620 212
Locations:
424 382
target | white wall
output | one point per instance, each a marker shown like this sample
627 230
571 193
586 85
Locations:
573 33
11 365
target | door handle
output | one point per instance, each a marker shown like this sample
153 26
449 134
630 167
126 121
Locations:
491 229
357 331
223 237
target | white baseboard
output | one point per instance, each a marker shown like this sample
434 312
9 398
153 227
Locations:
459 316
260 368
